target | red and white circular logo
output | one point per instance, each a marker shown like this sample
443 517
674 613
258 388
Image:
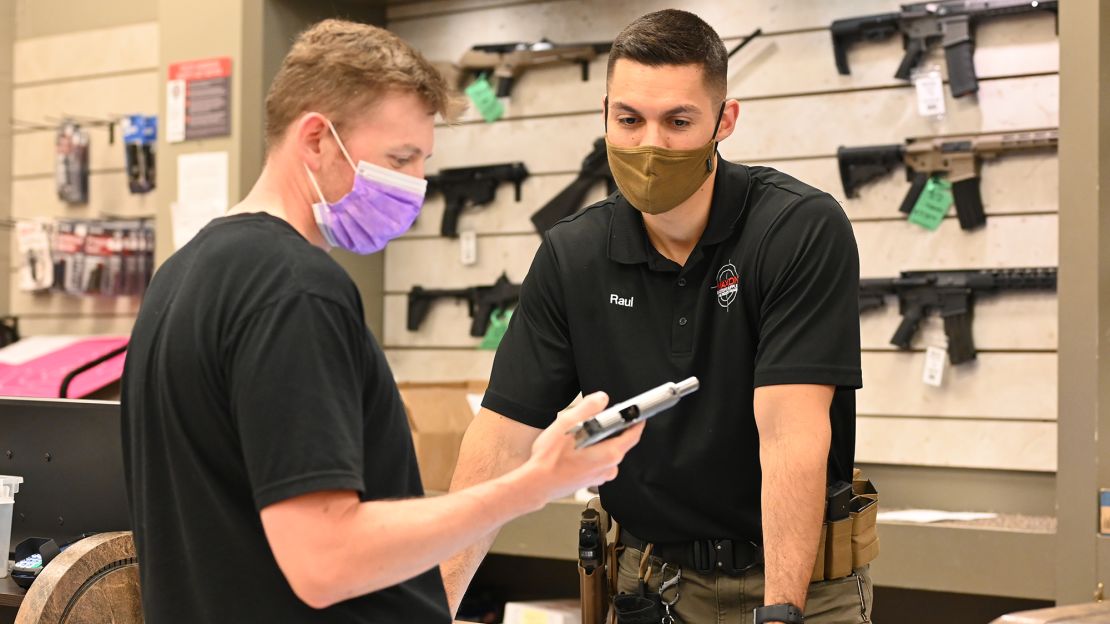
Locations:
728 284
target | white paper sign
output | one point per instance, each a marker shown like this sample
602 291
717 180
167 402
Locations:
175 111
936 359
202 189
468 247
925 516
930 92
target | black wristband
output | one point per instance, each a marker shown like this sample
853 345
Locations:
786 613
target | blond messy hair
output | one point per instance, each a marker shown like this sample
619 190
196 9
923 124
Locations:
338 68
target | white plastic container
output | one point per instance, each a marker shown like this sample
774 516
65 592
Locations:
9 486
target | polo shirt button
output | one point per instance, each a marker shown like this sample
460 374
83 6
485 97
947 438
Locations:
682 321
682 281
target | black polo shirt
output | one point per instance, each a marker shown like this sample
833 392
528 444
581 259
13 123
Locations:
768 296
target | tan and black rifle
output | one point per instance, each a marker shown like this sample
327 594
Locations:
956 157
507 61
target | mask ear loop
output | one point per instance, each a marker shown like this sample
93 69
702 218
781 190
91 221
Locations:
343 148
315 185
709 159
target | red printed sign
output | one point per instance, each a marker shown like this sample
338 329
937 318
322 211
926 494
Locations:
198 99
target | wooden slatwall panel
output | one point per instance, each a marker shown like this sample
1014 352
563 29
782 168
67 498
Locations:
997 413
97 73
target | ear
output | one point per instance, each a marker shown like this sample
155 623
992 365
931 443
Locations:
728 120
309 133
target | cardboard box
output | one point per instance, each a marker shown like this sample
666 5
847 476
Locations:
439 414
544 612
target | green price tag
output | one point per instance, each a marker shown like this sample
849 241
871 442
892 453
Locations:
481 93
498 324
933 204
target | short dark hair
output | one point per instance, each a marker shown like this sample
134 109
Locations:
674 37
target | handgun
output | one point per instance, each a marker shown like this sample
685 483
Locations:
637 409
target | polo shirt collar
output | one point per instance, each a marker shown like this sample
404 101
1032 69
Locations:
628 241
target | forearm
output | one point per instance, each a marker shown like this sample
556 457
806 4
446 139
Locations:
382 543
793 500
476 465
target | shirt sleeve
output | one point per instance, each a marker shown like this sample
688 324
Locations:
296 378
534 374
809 283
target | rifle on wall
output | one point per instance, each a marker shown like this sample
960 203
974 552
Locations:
481 301
923 24
594 170
951 294
472 186
508 61
957 157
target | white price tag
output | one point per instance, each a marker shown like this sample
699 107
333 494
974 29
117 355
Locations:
936 359
468 247
930 92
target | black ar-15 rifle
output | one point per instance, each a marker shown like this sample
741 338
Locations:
950 293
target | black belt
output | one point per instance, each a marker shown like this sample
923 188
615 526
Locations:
731 557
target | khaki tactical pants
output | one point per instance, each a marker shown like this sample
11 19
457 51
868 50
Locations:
721 599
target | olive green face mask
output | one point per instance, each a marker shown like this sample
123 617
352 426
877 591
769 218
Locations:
656 179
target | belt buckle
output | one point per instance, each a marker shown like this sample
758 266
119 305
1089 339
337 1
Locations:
725 551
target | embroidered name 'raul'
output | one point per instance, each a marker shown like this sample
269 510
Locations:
621 301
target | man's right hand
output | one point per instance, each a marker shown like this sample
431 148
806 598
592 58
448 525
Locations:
557 469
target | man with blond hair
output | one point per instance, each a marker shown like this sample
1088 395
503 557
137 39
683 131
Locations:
270 465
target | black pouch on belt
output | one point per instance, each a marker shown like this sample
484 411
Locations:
638 609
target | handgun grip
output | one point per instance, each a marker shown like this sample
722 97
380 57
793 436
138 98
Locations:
969 204
915 49
961 344
961 68
840 53
479 324
418 309
903 336
920 178
505 86
449 227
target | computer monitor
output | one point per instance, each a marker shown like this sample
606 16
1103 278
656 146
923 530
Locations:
70 456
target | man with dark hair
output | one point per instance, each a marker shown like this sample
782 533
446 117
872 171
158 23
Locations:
742 276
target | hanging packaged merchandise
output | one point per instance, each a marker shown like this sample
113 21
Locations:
140 134
36 269
69 256
112 284
71 166
148 254
98 241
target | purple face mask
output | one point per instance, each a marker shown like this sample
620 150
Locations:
382 206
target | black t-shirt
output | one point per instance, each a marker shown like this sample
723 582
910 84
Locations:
768 296
250 379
